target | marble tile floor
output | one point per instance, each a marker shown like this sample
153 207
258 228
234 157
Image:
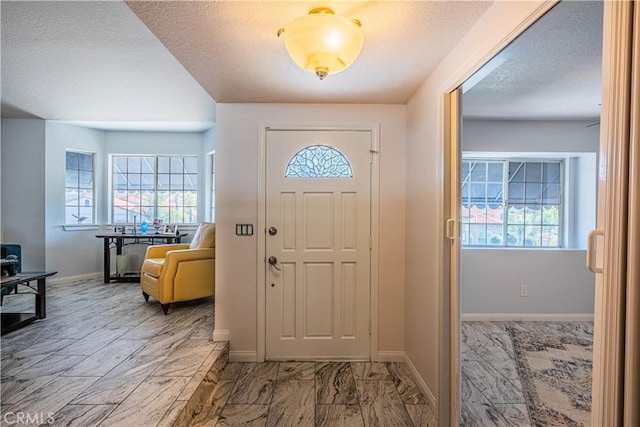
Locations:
491 391
104 356
316 394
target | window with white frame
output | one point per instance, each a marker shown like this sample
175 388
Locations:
213 188
149 187
79 188
513 203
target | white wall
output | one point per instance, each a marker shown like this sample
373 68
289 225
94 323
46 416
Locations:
24 173
237 202
426 339
558 282
76 252
491 278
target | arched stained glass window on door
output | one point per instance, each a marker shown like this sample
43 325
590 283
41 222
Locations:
318 161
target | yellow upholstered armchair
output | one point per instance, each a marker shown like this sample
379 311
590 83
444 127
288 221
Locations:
172 273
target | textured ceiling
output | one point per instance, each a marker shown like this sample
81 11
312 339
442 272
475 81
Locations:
552 71
92 61
159 64
231 48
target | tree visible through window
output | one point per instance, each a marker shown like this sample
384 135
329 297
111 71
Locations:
163 187
511 202
79 188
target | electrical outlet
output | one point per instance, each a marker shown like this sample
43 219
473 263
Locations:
524 291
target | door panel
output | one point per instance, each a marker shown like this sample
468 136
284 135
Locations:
288 227
318 300
288 300
318 291
349 221
318 221
349 306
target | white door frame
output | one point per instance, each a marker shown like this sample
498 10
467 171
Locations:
449 316
607 367
374 128
632 328
613 181
451 248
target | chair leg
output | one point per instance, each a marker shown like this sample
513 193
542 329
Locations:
145 295
165 308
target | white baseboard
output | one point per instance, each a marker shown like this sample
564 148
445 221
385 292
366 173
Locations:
221 335
391 356
540 317
243 356
77 278
320 358
431 399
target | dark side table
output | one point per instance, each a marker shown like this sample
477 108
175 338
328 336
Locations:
118 240
16 284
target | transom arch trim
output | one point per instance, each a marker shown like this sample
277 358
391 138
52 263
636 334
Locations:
319 161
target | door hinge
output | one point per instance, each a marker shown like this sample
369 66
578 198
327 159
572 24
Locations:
370 242
370 327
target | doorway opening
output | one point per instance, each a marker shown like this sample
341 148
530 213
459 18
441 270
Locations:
527 200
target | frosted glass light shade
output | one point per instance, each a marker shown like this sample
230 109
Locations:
323 43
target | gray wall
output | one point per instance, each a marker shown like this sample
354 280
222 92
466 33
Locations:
1 229
558 281
208 146
33 180
23 189
530 135
581 217
209 140
74 251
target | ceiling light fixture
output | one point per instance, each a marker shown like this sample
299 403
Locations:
322 42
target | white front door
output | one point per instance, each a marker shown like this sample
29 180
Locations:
318 216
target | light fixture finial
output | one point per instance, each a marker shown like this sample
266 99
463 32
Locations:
321 72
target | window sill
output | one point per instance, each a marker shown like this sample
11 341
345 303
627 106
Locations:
181 227
80 227
518 248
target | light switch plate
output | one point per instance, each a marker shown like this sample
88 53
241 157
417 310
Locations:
244 230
